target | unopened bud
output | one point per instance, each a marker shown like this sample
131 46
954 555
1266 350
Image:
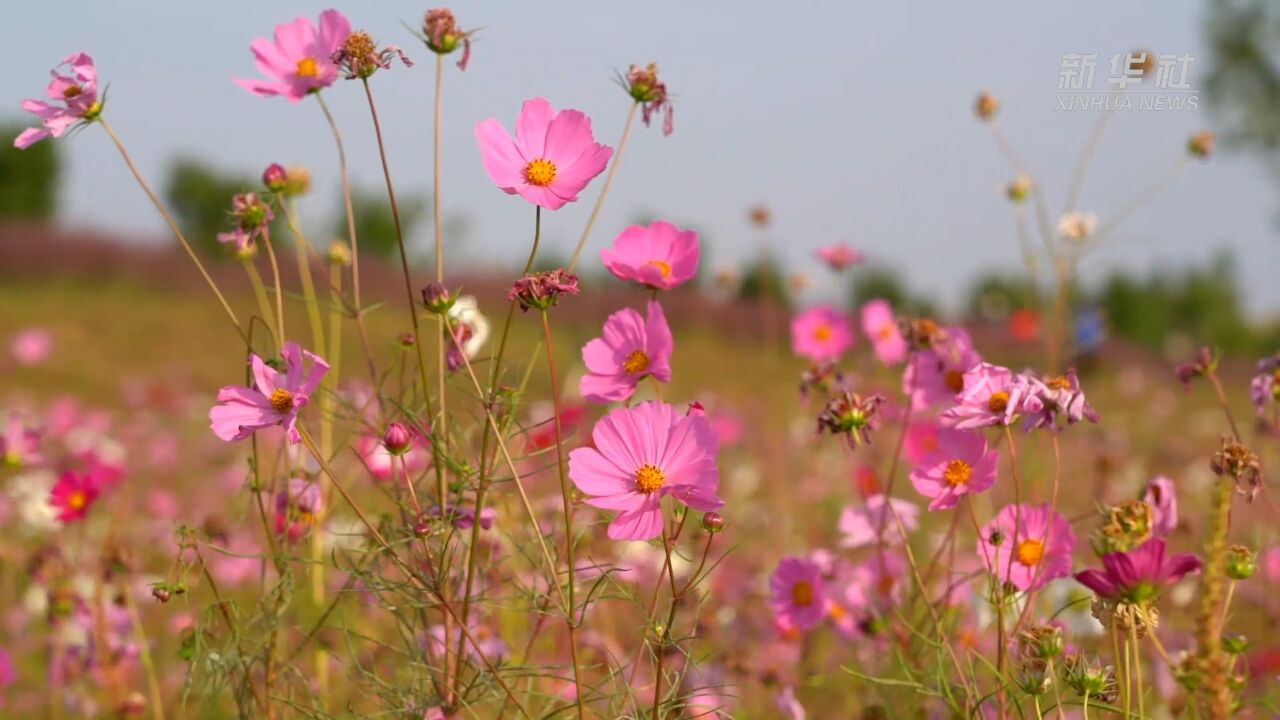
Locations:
1200 145
275 177
1019 188
712 522
339 253
161 594
437 298
297 180
397 439
1241 564
986 106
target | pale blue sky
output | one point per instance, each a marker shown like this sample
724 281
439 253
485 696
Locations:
850 120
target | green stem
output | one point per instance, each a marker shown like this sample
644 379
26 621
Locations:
604 189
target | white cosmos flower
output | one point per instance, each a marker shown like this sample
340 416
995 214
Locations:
466 311
1077 226
30 495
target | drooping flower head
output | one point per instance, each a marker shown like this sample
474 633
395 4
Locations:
252 218
631 348
642 454
1204 362
881 327
962 464
1027 546
359 56
1139 575
297 507
1163 500
1060 398
643 85
73 494
1239 463
797 593
552 158
276 397
300 60
660 256
820 334
992 395
840 256
75 100
442 35
936 373
874 522
542 290
1264 389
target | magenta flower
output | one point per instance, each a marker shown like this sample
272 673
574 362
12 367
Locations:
820 334
275 399
300 61
1137 576
863 525
551 159
992 395
840 256
797 595
640 455
73 495
19 446
660 256
632 348
1038 539
937 374
1264 389
1060 397
962 464
881 327
1163 499
77 93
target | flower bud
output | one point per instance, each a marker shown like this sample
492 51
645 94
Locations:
422 528
1235 644
712 522
1201 144
1241 563
297 180
406 340
275 177
437 298
338 254
542 290
397 439
134 704
161 594
986 106
1019 188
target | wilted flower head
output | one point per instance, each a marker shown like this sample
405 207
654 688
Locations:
300 60
986 106
251 216
1201 144
651 93
1128 524
1077 226
852 416
1088 676
1236 461
359 56
1060 397
542 290
1264 389
1040 642
441 34
1204 362
77 95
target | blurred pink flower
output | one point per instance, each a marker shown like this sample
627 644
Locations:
881 327
788 705
1264 388
31 346
19 445
820 334
921 439
78 93
297 507
992 395
551 159
660 256
73 495
1038 539
873 585
962 464
1163 499
277 399
300 61
797 593
631 349
840 256
640 455
936 375
862 525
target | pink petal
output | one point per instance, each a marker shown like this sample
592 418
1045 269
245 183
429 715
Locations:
531 128
644 523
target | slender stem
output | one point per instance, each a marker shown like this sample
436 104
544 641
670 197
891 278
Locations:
435 169
665 632
304 277
144 654
1120 667
173 226
1134 648
1086 154
604 189
275 276
260 292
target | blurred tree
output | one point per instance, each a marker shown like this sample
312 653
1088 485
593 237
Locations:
200 199
28 178
880 281
1243 79
375 229
993 296
762 278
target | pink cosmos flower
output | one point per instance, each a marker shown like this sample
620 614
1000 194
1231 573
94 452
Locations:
297 507
1163 499
1137 576
820 334
631 349
31 346
962 464
1039 540
788 705
551 159
936 375
1060 398
862 525
874 585
1264 388
660 256
19 446
641 454
879 324
77 93
300 61
840 256
992 395
73 495
275 399
921 440
797 593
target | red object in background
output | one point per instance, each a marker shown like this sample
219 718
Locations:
1024 325
543 435
865 480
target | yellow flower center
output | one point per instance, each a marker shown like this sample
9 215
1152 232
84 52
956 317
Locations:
306 68
281 400
636 362
72 91
954 380
11 459
822 333
1029 552
663 268
1058 382
957 473
802 594
648 479
885 332
540 172
77 500
998 401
